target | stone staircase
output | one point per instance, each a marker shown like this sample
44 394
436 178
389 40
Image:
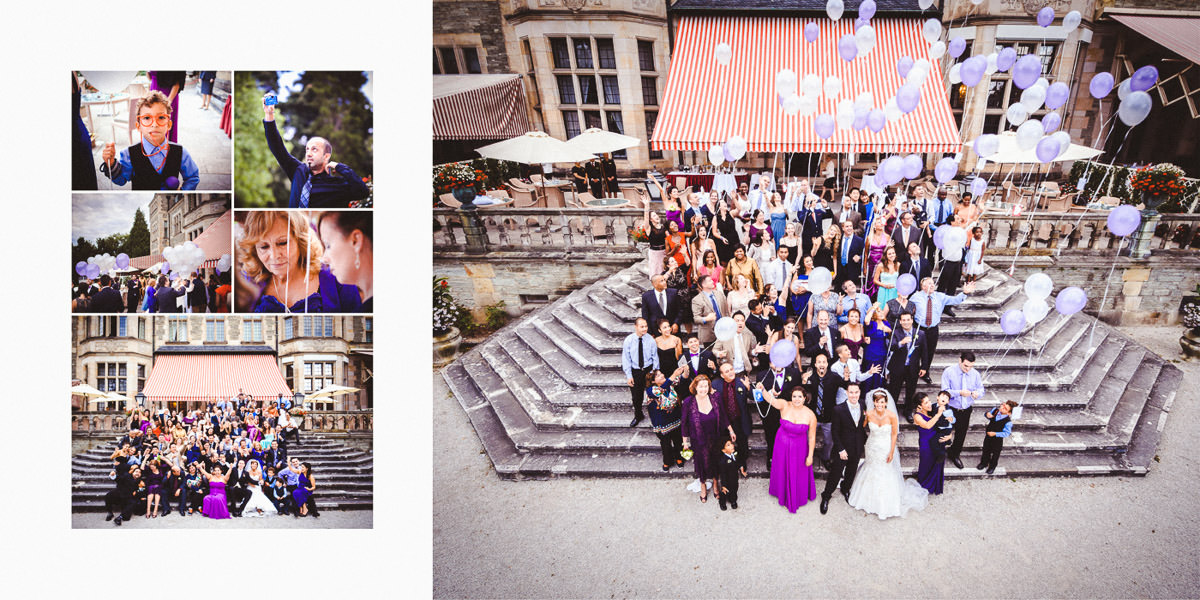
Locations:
344 475
547 397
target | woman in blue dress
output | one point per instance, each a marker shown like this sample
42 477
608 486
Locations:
280 253
874 347
778 216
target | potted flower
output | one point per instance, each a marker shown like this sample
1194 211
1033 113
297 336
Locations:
446 337
1157 183
461 180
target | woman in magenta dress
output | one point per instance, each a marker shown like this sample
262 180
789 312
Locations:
877 242
704 424
170 83
215 505
791 464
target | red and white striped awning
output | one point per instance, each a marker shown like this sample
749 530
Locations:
479 107
215 240
706 103
203 377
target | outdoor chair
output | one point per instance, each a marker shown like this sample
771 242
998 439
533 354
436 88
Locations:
630 194
498 194
448 200
521 185
681 182
522 198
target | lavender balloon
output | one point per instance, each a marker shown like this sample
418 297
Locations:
906 284
904 65
1012 321
1005 60
945 170
1101 85
1047 149
1070 301
824 125
912 166
876 120
727 153
81 268
122 261
1143 78
165 267
1056 95
978 186
972 70
956 47
907 98
783 353
860 22
939 236
866 10
1124 220
93 271
172 183
847 49
1045 16
860 123
811 31
1135 108
1051 122
1027 71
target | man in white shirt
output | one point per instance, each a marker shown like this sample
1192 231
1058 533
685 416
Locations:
758 196
799 200
778 270
848 368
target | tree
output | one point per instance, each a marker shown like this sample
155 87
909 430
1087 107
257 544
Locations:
137 243
258 181
331 104
112 245
81 250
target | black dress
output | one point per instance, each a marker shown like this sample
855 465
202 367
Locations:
667 363
728 228
579 176
678 280
824 256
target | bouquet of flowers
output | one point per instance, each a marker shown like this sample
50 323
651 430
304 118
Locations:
1162 180
449 176
445 310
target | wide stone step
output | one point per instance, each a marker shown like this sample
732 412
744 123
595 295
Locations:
325 502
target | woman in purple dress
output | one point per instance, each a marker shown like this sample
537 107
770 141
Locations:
875 342
215 505
931 471
153 478
305 490
877 242
170 83
791 464
704 425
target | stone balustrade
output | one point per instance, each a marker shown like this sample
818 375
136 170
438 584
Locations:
535 230
1087 231
105 422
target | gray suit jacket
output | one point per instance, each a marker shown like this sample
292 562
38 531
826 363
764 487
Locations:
702 309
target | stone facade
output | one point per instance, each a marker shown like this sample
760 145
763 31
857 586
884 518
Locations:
95 342
472 23
178 218
480 281
1141 291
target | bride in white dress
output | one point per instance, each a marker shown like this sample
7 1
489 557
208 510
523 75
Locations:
880 487
259 505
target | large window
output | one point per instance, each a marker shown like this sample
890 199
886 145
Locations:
562 58
110 327
317 326
141 326
650 91
452 60
612 91
585 71
317 375
177 329
289 328
110 377
368 330
583 52
604 51
1001 93
646 55
566 89
651 119
252 329
141 377
214 329
571 120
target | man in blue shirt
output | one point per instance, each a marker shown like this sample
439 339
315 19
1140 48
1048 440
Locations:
964 385
929 305
639 355
318 182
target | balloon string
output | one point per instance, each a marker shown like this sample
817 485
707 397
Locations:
1103 301
1010 344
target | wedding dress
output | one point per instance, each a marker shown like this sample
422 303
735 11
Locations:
880 487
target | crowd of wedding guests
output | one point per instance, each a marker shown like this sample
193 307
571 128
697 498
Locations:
152 294
226 459
749 256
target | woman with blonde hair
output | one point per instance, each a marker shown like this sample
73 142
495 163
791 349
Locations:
280 255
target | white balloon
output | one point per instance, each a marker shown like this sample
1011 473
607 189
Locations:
991 63
932 30
1064 141
1043 83
716 156
864 39
819 280
916 77
1123 89
737 146
1033 97
976 2
925 4
952 254
892 111
725 329
937 50
723 53
956 73
1029 134
1017 113
811 85
955 239
1135 108
986 145
808 105
1071 21
785 83
835 8
1035 309
833 87
1039 286
791 105
864 101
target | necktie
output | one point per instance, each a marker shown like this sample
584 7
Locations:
941 214
641 354
717 309
829 344
929 311
779 381
820 396
662 301
305 192
846 252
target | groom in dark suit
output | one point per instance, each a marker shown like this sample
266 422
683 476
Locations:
660 302
849 438
907 351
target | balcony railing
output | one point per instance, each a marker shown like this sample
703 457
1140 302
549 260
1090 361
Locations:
105 422
1089 231
535 229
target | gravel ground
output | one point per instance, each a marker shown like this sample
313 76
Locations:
330 519
1037 537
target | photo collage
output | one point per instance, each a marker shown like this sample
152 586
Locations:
222 305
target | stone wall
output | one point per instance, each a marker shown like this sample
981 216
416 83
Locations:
471 18
1141 291
478 281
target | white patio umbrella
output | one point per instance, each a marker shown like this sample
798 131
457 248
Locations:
599 141
535 148
110 397
330 391
1010 153
84 389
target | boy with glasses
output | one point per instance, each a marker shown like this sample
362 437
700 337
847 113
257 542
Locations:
154 163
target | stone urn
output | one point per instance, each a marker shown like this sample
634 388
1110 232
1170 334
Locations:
1190 343
445 347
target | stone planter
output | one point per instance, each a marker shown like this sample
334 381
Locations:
445 347
1190 343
